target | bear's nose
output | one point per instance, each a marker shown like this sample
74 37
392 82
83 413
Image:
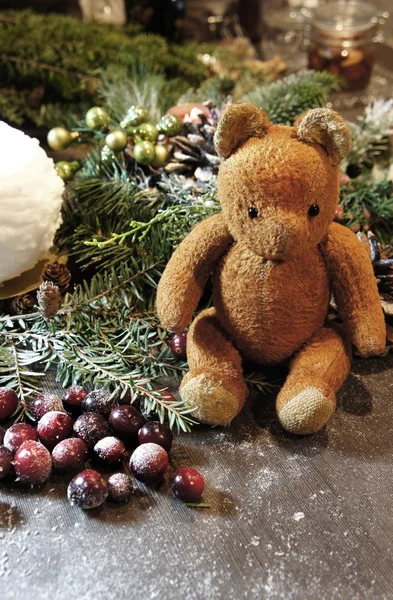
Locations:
280 238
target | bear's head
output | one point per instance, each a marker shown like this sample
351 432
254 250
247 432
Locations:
279 186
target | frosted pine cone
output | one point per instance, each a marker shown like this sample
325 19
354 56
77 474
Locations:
48 297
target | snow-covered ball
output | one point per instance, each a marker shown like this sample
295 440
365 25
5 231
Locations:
30 202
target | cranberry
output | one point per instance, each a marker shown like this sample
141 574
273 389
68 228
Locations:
53 427
69 455
73 399
33 463
156 433
2 434
149 463
188 485
178 345
126 421
44 403
125 398
91 428
6 458
120 487
8 402
17 434
87 490
110 450
100 402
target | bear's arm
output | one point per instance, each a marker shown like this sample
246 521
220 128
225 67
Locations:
188 270
355 289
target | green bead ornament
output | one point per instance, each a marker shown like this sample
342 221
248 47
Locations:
170 125
75 166
148 131
144 152
60 138
116 140
161 156
97 118
135 116
64 170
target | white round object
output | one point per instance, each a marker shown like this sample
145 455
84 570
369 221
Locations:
30 202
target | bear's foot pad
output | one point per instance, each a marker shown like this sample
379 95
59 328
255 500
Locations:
214 404
307 412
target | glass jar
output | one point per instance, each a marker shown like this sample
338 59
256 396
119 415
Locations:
342 40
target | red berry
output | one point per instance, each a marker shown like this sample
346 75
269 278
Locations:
110 450
6 458
100 402
33 463
17 434
125 398
44 403
339 213
178 345
73 399
2 434
188 485
87 490
120 487
126 421
156 433
91 428
69 455
149 463
53 427
8 403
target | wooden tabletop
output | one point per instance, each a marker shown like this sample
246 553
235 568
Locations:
290 517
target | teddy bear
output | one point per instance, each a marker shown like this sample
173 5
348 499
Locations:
276 257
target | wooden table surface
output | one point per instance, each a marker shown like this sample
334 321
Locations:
290 517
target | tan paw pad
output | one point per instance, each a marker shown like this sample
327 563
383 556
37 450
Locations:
214 404
306 412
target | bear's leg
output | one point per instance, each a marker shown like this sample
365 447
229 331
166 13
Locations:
307 400
214 384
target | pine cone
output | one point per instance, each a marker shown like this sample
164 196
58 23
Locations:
22 305
48 297
194 152
58 274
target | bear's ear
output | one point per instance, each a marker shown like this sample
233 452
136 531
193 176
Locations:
238 123
327 128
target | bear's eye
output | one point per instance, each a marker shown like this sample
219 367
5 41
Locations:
313 211
252 212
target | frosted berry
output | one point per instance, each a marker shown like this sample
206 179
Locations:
100 402
120 487
6 458
69 455
73 399
91 427
188 485
178 345
87 490
2 433
126 421
110 450
53 427
44 403
17 434
149 463
8 402
156 433
32 463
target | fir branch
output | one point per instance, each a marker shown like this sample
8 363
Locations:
287 98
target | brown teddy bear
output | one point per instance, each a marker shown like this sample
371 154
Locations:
276 257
